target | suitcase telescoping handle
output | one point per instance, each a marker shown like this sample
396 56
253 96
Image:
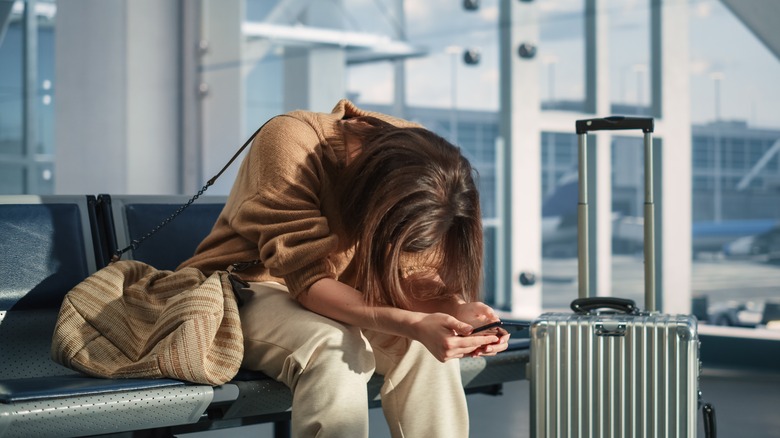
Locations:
613 123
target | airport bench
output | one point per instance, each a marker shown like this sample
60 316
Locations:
48 245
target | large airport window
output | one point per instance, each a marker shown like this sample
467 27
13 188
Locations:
736 186
438 63
702 152
629 54
562 55
11 179
11 108
27 97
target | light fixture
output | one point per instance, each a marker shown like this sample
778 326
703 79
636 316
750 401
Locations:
471 5
526 51
471 56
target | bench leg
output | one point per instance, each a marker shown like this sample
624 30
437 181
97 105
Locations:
282 429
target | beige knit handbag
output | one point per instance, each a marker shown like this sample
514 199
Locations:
132 320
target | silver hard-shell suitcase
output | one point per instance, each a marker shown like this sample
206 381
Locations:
622 373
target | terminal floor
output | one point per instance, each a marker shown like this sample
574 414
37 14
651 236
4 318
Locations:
746 406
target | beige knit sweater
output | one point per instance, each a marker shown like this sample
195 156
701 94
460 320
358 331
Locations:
282 209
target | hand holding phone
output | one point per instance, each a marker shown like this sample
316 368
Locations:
508 326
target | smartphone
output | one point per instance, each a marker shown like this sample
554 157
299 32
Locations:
510 326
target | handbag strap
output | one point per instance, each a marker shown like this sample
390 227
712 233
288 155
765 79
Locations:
136 242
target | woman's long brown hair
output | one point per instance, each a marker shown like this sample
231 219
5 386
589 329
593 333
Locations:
409 191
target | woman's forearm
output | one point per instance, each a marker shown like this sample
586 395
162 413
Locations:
448 305
445 336
343 303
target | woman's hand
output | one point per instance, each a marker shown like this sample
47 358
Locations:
478 314
493 348
447 338
475 313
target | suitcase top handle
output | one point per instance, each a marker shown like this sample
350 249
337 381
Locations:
586 305
614 123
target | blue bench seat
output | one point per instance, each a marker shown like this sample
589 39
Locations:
46 248
48 245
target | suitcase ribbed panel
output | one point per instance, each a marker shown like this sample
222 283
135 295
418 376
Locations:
642 383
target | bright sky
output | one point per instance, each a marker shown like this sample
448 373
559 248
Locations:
724 54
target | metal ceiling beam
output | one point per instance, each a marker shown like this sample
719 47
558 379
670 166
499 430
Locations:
361 47
13 11
759 166
760 17
285 12
5 18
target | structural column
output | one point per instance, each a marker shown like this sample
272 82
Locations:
116 122
519 129
597 101
220 89
315 77
671 102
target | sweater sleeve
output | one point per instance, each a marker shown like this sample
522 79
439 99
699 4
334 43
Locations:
283 215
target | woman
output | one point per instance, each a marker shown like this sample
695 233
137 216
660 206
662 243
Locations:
368 233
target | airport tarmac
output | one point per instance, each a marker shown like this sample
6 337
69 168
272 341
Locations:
721 280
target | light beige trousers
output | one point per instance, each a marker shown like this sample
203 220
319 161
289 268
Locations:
327 364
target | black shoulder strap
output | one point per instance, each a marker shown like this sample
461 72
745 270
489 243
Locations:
136 242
